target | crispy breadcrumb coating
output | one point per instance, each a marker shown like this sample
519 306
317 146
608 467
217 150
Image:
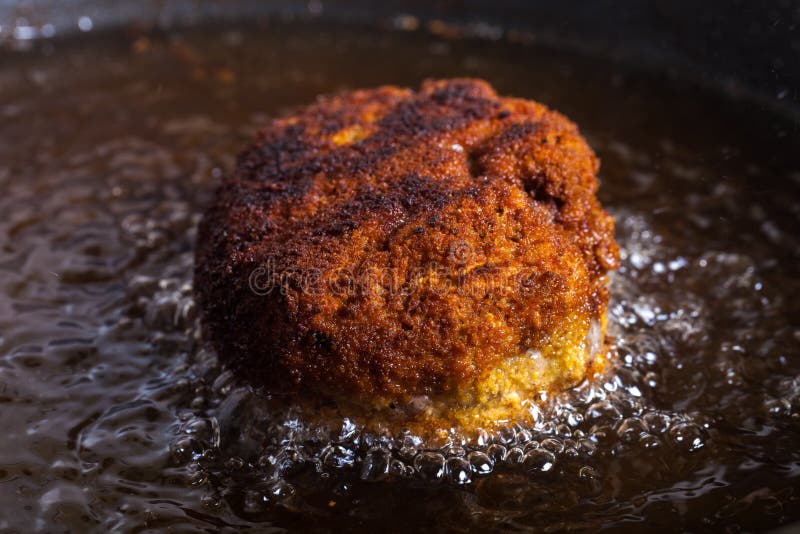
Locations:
439 252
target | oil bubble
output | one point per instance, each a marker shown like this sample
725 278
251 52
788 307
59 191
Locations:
539 461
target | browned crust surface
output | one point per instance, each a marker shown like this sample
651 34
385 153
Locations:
403 242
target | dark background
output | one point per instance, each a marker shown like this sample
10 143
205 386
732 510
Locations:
749 48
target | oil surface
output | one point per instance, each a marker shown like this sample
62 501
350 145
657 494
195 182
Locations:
116 417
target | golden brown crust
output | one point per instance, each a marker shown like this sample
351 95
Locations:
387 243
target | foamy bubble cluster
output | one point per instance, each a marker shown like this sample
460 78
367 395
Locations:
231 432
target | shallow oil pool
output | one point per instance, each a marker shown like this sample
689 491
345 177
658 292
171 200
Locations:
117 418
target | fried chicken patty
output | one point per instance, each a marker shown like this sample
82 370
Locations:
440 252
